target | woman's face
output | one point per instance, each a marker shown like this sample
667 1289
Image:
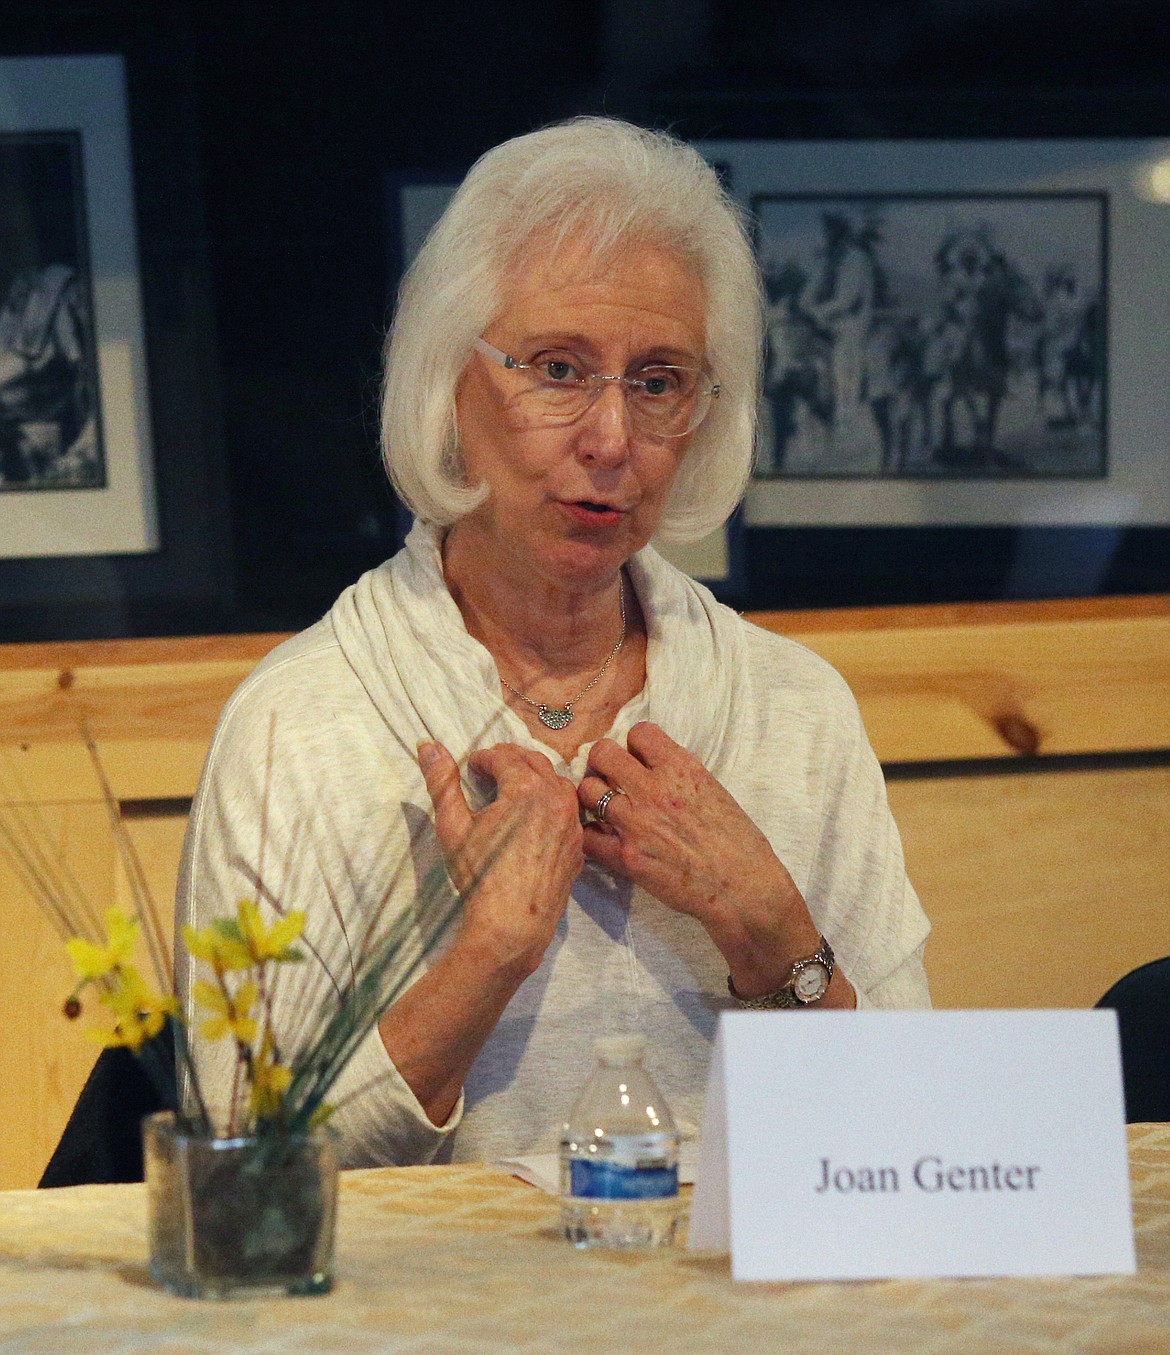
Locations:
573 502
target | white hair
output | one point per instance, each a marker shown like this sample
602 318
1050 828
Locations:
611 184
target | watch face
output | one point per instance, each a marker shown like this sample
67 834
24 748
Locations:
811 982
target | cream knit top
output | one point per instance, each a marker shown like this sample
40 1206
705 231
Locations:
311 783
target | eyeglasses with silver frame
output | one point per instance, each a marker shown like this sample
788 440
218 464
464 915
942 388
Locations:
664 400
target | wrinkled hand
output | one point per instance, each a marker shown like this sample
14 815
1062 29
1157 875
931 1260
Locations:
526 845
681 836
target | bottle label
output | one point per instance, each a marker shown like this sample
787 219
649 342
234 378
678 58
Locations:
596 1180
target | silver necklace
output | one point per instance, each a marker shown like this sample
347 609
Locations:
558 717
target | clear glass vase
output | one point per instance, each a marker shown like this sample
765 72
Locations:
238 1218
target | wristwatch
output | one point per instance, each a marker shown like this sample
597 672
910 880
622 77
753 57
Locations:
807 983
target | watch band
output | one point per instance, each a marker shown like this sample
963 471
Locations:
786 996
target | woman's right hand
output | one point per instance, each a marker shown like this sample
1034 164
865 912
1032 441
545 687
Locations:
515 860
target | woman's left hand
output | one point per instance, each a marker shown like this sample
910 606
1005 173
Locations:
673 829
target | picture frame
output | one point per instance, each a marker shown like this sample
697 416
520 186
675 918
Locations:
187 583
1070 222
77 473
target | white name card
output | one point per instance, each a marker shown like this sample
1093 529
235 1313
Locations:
869 1145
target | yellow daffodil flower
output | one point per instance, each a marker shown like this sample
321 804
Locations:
243 942
232 1011
270 1081
139 1013
96 962
270 943
222 945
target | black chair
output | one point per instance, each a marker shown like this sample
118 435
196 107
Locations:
102 1143
1142 1003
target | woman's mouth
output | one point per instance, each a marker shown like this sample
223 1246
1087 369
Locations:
592 512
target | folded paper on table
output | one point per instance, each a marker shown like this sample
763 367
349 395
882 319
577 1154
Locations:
868 1145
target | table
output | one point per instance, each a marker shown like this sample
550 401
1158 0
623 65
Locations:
467 1261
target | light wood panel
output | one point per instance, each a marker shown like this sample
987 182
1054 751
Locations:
158 840
151 705
933 683
1029 678
45 1058
1042 888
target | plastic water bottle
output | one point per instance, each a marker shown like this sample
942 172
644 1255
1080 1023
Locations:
619 1155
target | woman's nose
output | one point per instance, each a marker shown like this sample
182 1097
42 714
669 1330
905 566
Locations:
604 431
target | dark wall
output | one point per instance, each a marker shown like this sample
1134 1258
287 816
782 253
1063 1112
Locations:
263 132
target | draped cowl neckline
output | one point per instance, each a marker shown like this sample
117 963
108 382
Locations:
405 640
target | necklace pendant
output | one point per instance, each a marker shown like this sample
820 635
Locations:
555 717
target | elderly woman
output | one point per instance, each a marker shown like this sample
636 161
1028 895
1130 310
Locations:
698 820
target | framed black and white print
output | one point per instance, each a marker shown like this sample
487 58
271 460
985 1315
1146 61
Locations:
941 335
50 419
76 471
960 333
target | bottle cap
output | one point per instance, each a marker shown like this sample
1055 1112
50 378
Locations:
619 1049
